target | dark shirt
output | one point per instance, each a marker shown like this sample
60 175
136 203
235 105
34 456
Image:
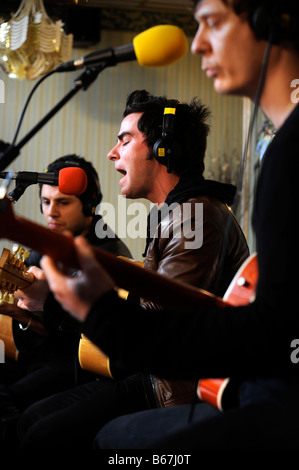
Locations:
249 341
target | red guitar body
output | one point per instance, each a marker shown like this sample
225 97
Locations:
241 291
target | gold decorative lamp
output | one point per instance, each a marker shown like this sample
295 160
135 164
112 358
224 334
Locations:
31 44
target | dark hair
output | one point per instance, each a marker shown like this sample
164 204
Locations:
92 196
249 6
274 13
190 130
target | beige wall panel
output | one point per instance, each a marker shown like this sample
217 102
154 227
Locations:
89 123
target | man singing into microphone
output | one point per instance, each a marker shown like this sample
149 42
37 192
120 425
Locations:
48 364
174 249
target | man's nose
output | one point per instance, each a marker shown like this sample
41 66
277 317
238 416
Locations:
200 44
113 154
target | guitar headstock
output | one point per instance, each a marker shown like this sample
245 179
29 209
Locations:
13 273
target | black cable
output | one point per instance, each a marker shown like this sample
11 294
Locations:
11 147
243 163
251 124
21 117
239 186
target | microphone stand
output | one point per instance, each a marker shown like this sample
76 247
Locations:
18 191
82 82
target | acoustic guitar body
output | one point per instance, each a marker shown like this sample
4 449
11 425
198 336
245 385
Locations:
6 335
221 393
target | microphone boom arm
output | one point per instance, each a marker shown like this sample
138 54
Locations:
82 82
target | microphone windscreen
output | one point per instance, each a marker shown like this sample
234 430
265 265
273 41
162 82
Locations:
160 45
72 181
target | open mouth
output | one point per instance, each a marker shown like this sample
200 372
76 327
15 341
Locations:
122 172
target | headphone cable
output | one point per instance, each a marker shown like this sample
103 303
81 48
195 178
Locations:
239 187
240 179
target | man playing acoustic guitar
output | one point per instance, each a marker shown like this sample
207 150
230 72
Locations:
48 363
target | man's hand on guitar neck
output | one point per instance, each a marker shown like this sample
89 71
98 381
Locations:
33 297
77 294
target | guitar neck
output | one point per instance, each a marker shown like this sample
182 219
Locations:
128 276
21 315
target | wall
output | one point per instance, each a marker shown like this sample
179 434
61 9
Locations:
89 123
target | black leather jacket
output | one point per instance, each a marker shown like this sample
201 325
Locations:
187 245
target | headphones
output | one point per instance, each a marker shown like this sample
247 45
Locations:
273 25
92 196
167 150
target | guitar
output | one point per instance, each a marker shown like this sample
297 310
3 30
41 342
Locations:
14 275
241 291
127 276
93 359
6 335
90 356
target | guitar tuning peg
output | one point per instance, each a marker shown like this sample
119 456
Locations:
19 263
11 299
12 259
25 254
20 252
15 248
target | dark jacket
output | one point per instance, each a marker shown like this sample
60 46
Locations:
254 342
199 208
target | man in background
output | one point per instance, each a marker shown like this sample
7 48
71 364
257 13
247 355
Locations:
49 363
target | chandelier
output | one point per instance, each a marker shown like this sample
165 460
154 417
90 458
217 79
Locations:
31 44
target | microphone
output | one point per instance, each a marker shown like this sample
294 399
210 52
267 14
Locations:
70 180
156 46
